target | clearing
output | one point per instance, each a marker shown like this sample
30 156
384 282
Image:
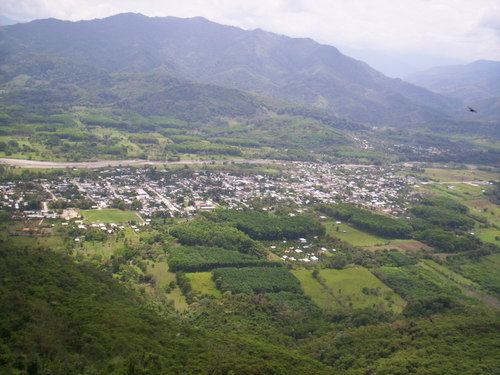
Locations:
203 283
459 175
350 288
353 236
110 215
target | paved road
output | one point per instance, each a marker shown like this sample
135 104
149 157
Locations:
24 163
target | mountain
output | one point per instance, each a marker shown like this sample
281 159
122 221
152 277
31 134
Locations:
4 20
397 64
296 70
476 84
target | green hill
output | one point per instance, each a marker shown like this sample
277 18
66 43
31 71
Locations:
58 317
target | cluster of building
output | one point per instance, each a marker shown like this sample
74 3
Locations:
183 192
303 251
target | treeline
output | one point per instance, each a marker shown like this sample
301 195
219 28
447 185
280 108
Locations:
206 233
363 219
443 217
447 241
443 224
257 279
262 225
443 202
202 258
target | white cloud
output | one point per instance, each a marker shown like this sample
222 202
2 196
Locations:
458 29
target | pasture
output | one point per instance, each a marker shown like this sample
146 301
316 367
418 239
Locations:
350 288
490 235
401 245
202 282
107 216
484 272
459 175
423 280
160 272
353 236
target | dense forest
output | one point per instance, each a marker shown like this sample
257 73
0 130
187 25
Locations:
58 317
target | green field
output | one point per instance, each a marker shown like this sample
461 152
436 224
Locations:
202 283
178 300
459 175
401 245
104 250
486 209
422 281
484 272
343 289
162 278
449 274
491 235
313 289
160 272
460 191
107 248
354 236
109 216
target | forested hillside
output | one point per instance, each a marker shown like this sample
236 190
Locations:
58 317
298 70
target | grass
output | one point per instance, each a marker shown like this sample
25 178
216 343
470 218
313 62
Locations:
313 289
484 272
444 175
463 192
108 216
402 245
108 247
160 272
179 301
353 236
446 272
101 249
490 235
424 280
202 283
468 287
162 276
343 289
471 196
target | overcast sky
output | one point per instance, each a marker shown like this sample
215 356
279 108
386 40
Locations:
444 30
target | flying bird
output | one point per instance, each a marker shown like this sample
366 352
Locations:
472 110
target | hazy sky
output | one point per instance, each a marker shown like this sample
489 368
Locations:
461 30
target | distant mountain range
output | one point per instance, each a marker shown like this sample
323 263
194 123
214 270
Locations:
4 20
198 51
476 84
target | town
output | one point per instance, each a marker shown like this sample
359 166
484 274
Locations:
182 192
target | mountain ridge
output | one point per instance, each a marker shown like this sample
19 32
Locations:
476 84
297 70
